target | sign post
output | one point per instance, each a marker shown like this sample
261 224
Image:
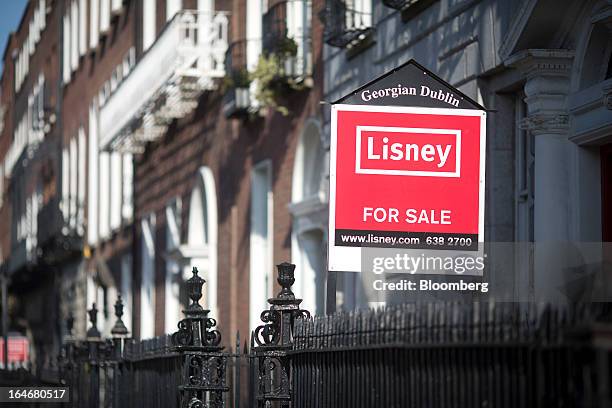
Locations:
407 169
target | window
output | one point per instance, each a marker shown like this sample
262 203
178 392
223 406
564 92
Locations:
173 270
524 190
82 174
115 190
93 23
127 177
92 194
172 7
65 184
254 31
82 27
66 50
105 15
524 159
202 235
74 36
1 185
289 21
148 24
147 286
73 183
347 22
308 236
104 191
260 282
116 5
126 290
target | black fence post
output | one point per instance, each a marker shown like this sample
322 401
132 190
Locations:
274 339
119 335
204 382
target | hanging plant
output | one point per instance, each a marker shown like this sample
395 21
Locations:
238 78
273 82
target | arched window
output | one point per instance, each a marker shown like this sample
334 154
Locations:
309 209
201 248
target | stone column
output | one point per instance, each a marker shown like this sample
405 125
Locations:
546 88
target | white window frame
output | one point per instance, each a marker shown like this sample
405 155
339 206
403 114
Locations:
66 49
94 11
147 284
82 27
127 206
82 174
149 17
105 12
65 184
74 35
261 253
92 188
172 306
116 187
172 7
116 5
73 183
104 191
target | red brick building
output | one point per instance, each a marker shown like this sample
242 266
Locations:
178 134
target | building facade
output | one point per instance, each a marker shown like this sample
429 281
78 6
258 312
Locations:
544 73
142 138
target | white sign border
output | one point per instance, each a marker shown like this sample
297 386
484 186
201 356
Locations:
419 173
352 255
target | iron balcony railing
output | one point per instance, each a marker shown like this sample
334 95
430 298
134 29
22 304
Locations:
167 81
289 42
344 26
274 26
397 4
409 8
57 238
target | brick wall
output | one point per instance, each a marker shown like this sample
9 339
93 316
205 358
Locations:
230 148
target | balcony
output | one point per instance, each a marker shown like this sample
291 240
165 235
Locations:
186 60
237 99
56 239
345 27
408 8
289 43
19 257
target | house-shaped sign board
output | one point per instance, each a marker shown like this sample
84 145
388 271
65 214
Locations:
407 171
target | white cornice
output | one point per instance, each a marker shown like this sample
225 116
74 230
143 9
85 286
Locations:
542 61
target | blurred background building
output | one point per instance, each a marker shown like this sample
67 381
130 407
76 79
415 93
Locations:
140 138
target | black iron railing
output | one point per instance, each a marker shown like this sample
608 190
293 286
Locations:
398 4
413 355
344 26
409 8
274 27
57 239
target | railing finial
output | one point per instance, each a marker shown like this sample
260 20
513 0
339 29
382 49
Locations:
119 329
93 319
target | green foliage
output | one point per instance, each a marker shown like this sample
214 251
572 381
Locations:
272 81
237 79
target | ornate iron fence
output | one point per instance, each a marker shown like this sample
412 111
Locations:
412 355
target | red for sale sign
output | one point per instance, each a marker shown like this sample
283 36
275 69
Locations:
405 177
